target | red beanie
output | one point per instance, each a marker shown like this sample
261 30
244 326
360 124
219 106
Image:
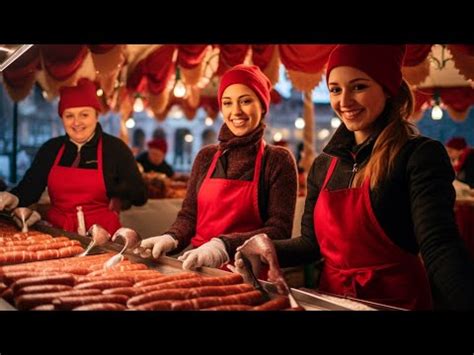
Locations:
248 75
383 63
158 143
458 143
83 94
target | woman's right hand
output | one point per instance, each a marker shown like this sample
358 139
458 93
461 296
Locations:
8 201
260 250
156 246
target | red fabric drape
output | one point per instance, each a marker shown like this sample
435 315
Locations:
23 70
416 54
459 99
305 58
101 48
190 56
262 54
62 61
153 72
230 55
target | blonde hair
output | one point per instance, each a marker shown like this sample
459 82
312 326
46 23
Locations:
398 130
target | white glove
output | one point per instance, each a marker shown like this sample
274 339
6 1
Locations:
8 201
212 254
156 246
32 219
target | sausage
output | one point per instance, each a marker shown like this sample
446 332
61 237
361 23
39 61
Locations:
104 284
184 294
57 279
70 302
163 279
132 276
101 307
85 261
248 298
193 282
24 302
230 307
126 267
127 291
44 307
40 246
278 303
42 289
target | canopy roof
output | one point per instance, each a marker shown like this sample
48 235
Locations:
125 72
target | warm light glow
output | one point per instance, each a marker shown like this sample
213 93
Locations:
100 92
130 123
299 123
45 94
335 122
179 89
138 106
188 138
323 134
436 113
277 137
208 121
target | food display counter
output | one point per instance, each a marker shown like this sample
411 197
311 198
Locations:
167 266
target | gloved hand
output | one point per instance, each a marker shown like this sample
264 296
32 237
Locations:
29 221
212 254
8 201
259 250
156 246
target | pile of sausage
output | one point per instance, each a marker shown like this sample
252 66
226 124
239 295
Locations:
81 283
17 247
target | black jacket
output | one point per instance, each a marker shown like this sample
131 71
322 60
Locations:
466 174
148 166
414 206
121 175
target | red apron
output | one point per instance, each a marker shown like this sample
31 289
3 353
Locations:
360 260
71 187
227 206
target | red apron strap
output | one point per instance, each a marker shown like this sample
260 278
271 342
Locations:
332 167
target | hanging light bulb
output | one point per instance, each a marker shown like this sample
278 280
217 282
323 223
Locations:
138 105
436 112
99 92
130 123
179 90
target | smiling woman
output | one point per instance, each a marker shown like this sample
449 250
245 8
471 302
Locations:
85 170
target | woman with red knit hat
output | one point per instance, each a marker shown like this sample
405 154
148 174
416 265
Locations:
462 159
154 158
86 169
237 188
379 196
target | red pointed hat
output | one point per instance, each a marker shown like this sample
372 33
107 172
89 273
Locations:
83 94
458 143
383 63
158 143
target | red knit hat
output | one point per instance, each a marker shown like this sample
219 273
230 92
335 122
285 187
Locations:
383 63
158 143
83 94
248 75
458 143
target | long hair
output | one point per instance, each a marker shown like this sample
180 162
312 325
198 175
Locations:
398 130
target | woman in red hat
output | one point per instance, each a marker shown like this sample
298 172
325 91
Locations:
86 170
379 196
239 187
462 159
154 158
